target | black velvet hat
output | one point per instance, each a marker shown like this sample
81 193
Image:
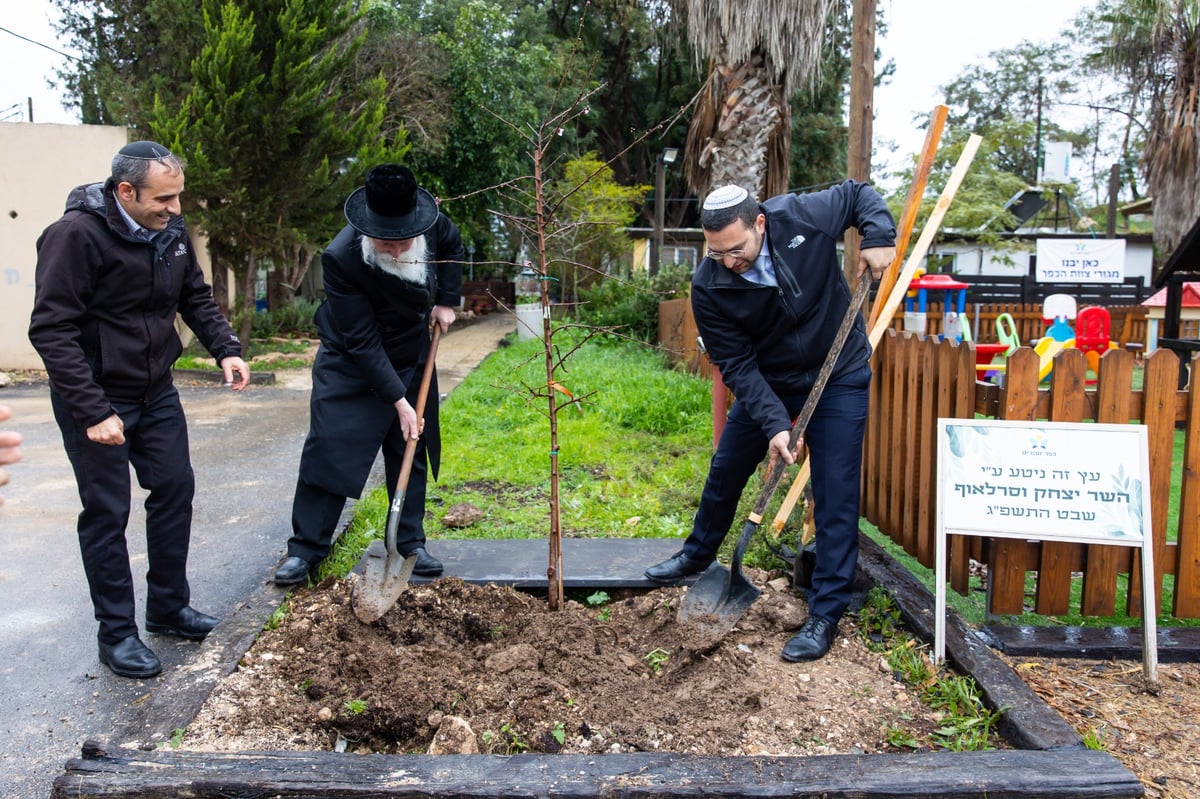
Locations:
391 205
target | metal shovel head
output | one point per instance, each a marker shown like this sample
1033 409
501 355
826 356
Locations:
718 599
383 579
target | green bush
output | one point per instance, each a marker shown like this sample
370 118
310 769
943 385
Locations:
294 320
631 306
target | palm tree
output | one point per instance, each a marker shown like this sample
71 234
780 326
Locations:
1156 44
760 52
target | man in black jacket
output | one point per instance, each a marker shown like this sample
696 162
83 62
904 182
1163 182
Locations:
389 275
768 300
112 274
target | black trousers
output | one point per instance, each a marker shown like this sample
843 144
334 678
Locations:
834 438
315 511
156 444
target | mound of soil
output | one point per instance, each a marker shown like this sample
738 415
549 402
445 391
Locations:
461 668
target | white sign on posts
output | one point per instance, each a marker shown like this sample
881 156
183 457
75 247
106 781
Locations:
1046 481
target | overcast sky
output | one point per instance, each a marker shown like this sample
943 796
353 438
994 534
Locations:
929 40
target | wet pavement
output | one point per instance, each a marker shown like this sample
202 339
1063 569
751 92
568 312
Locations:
245 451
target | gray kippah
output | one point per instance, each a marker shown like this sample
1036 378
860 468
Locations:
725 197
144 149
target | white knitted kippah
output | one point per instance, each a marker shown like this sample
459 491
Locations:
724 197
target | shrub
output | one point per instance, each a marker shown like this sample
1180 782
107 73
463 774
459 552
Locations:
632 306
294 320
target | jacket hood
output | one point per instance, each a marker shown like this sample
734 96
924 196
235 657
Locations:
89 197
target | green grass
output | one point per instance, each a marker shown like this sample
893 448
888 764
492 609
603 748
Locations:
196 357
632 456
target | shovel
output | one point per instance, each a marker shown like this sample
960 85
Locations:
725 594
385 571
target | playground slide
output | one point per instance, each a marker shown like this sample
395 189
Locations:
1047 348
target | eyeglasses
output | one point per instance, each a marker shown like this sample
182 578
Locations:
716 255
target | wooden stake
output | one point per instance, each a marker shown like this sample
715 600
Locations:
912 206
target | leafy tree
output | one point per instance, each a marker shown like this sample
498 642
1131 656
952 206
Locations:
819 135
499 81
272 149
589 241
130 54
1001 100
1154 45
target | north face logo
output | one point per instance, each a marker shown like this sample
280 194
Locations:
795 242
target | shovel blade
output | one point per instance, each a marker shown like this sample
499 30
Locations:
717 600
381 583
738 599
706 594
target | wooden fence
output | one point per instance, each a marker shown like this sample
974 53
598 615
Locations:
918 379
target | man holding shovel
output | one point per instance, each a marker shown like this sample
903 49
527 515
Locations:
390 274
768 299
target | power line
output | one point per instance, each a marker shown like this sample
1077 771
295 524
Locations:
39 44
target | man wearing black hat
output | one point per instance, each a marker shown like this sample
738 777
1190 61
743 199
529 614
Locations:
112 274
390 274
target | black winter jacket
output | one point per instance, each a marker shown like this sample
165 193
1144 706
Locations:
771 341
105 304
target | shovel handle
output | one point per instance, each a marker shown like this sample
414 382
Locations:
410 448
810 404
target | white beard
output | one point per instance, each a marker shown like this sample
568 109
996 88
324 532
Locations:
408 265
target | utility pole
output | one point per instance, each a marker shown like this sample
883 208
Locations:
862 112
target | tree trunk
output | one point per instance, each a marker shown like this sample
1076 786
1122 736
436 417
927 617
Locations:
249 278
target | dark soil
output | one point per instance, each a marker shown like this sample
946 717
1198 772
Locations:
455 667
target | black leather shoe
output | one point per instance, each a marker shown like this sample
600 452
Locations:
184 623
291 570
811 642
675 568
129 657
427 565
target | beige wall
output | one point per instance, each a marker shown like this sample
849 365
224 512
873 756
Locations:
39 165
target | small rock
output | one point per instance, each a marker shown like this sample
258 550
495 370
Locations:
325 714
521 656
462 514
779 584
454 737
5 379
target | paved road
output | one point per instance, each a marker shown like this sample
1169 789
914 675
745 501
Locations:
245 447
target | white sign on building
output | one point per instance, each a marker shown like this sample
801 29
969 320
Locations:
1080 261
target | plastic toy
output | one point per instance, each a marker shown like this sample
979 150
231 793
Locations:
1092 328
954 305
990 358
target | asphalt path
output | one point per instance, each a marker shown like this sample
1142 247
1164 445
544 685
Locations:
54 693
